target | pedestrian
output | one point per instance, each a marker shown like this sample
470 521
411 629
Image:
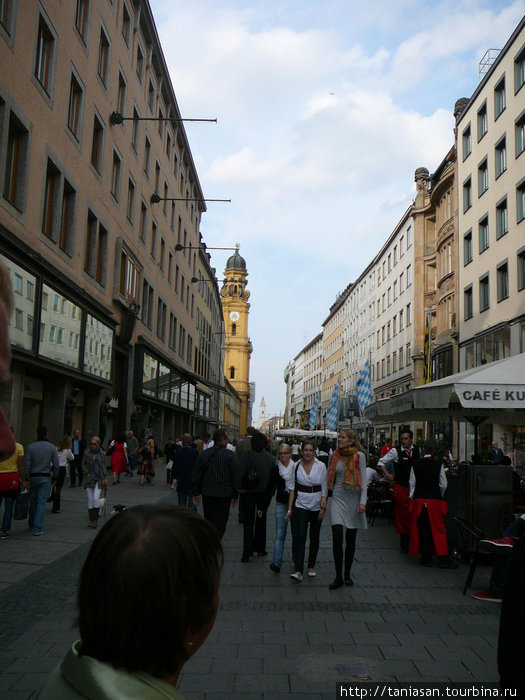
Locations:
149 454
184 460
12 471
170 448
428 508
65 459
348 481
134 641
93 464
386 447
282 484
41 470
207 442
243 445
133 448
79 445
255 470
495 453
306 508
401 457
118 449
215 479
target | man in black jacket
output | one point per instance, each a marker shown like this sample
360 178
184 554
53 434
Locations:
215 479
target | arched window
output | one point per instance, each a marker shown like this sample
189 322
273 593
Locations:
234 329
232 372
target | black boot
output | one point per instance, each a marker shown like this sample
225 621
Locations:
337 550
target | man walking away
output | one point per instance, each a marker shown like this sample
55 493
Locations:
75 469
41 467
182 471
215 479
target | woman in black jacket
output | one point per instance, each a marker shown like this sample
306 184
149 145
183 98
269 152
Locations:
255 470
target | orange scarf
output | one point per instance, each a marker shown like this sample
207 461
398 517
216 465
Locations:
352 478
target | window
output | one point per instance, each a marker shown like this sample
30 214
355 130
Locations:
121 94
483 234
170 267
519 70
521 271
409 275
67 218
182 340
130 205
115 176
97 144
103 57
409 237
74 107
482 121
408 315
189 352
44 55
499 98
81 18
401 358
483 177
484 299
143 222
160 123
147 154
15 163
51 196
467 248
129 278
126 25
172 338
147 304
162 253
153 247
135 130
95 256
151 96
232 372
467 303
467 194
467 142
402 283
520 201
5 14
503 281
500 153
161 319
520 135
502 219
140 63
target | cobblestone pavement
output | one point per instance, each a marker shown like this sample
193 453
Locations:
273 638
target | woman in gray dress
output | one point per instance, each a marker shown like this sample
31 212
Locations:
347 481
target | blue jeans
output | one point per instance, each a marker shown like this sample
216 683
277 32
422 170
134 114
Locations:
40 486
8 512
281 528
186 499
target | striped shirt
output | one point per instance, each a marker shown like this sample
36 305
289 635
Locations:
215 473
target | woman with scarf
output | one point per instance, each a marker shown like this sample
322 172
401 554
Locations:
281 484
307 508
93 465
347 480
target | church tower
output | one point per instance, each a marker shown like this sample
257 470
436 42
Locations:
262 412
238 346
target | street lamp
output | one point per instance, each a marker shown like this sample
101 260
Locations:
116 118
155 199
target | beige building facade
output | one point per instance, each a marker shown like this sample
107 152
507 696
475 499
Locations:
100 223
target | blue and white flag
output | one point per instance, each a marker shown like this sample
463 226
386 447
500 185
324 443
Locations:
312 421
364 388
331 414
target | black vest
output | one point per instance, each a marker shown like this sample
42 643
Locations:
404 464
427 473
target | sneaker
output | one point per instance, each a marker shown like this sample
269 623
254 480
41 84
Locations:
311 573
173 487
36 533
275 567
297 576
501 542
486 596
4 535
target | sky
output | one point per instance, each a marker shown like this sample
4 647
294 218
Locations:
325 109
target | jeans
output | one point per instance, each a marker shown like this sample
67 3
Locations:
40 487
217 511
186 499
281 528
8 512
301 518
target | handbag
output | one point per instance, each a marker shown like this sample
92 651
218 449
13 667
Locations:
9 482
21 506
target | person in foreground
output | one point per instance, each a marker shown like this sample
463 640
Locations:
134 641
347 479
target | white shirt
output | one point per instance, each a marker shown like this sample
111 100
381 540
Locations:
318 476
207 445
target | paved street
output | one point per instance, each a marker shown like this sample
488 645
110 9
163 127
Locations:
273 638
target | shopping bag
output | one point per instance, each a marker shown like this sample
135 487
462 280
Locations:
21 506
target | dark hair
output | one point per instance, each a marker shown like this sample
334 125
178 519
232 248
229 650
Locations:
429 447
219 435
121 438
258 441
306 442
150 577
406 432
186 439
41 432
